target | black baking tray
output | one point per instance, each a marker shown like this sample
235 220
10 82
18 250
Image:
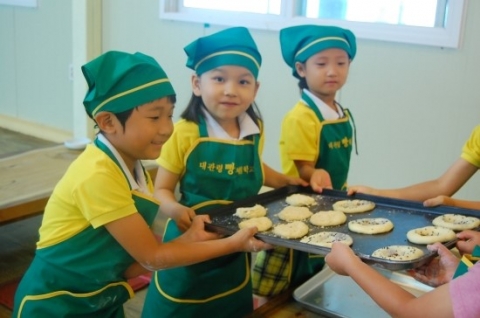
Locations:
405 215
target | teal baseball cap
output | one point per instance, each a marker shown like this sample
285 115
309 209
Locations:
299 43
233 46
119 81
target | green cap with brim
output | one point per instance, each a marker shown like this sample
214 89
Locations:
233 46
299 43
119 81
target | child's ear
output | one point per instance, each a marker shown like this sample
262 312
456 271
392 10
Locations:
106 121
196 85
300 68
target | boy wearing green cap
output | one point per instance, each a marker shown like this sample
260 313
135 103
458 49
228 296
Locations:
215 156
95 231
316 137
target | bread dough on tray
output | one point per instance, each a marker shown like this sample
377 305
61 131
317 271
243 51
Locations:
262 223
294 213
292 230
456 222
255 211
326 239
370 225
328 218
300 200
353 206
430 234
398 253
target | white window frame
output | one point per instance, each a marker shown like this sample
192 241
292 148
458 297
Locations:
449 36
20 3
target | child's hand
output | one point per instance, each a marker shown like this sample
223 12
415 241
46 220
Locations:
196 232
296 181
183 216
319 180
361 189
440 270
247 243
340 257
440 200
467 241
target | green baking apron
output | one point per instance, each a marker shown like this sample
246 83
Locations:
217 173
82 276
335 149
467 261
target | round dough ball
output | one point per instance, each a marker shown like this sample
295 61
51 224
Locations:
430 234
326 239
300 200
456 222
398 253
328 218
294 213
262 223
255 211
292 230
370 225
353 206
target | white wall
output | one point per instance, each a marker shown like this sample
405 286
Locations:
35 51
414 106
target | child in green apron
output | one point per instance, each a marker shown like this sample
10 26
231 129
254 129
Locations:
95 231
438 191
457 294
316 138
215 156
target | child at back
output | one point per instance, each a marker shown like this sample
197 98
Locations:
316 137
95 231
215 156
439 191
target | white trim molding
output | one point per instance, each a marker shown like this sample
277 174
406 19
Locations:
448 36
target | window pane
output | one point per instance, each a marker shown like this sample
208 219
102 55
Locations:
252 6
404 12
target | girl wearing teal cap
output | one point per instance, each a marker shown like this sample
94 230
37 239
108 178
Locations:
95 231
316 138
215 156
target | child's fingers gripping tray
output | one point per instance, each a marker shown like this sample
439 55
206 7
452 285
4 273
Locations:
385 246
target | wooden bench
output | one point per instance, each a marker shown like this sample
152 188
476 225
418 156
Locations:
27 180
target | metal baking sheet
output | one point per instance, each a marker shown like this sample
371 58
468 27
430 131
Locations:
333 295
405 216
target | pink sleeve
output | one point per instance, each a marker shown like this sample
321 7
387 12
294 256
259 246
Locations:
465 293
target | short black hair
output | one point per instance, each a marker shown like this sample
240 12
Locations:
302 83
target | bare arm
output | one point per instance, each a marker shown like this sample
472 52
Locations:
275 179
388 295
195 245
447 184
318 178
165 184
446 200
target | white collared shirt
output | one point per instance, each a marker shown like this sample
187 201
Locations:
247 127
325 110
138 183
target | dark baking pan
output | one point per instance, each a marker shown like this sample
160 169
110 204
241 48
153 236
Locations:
405 215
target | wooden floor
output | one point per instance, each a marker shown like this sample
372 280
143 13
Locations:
18 239
12 143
